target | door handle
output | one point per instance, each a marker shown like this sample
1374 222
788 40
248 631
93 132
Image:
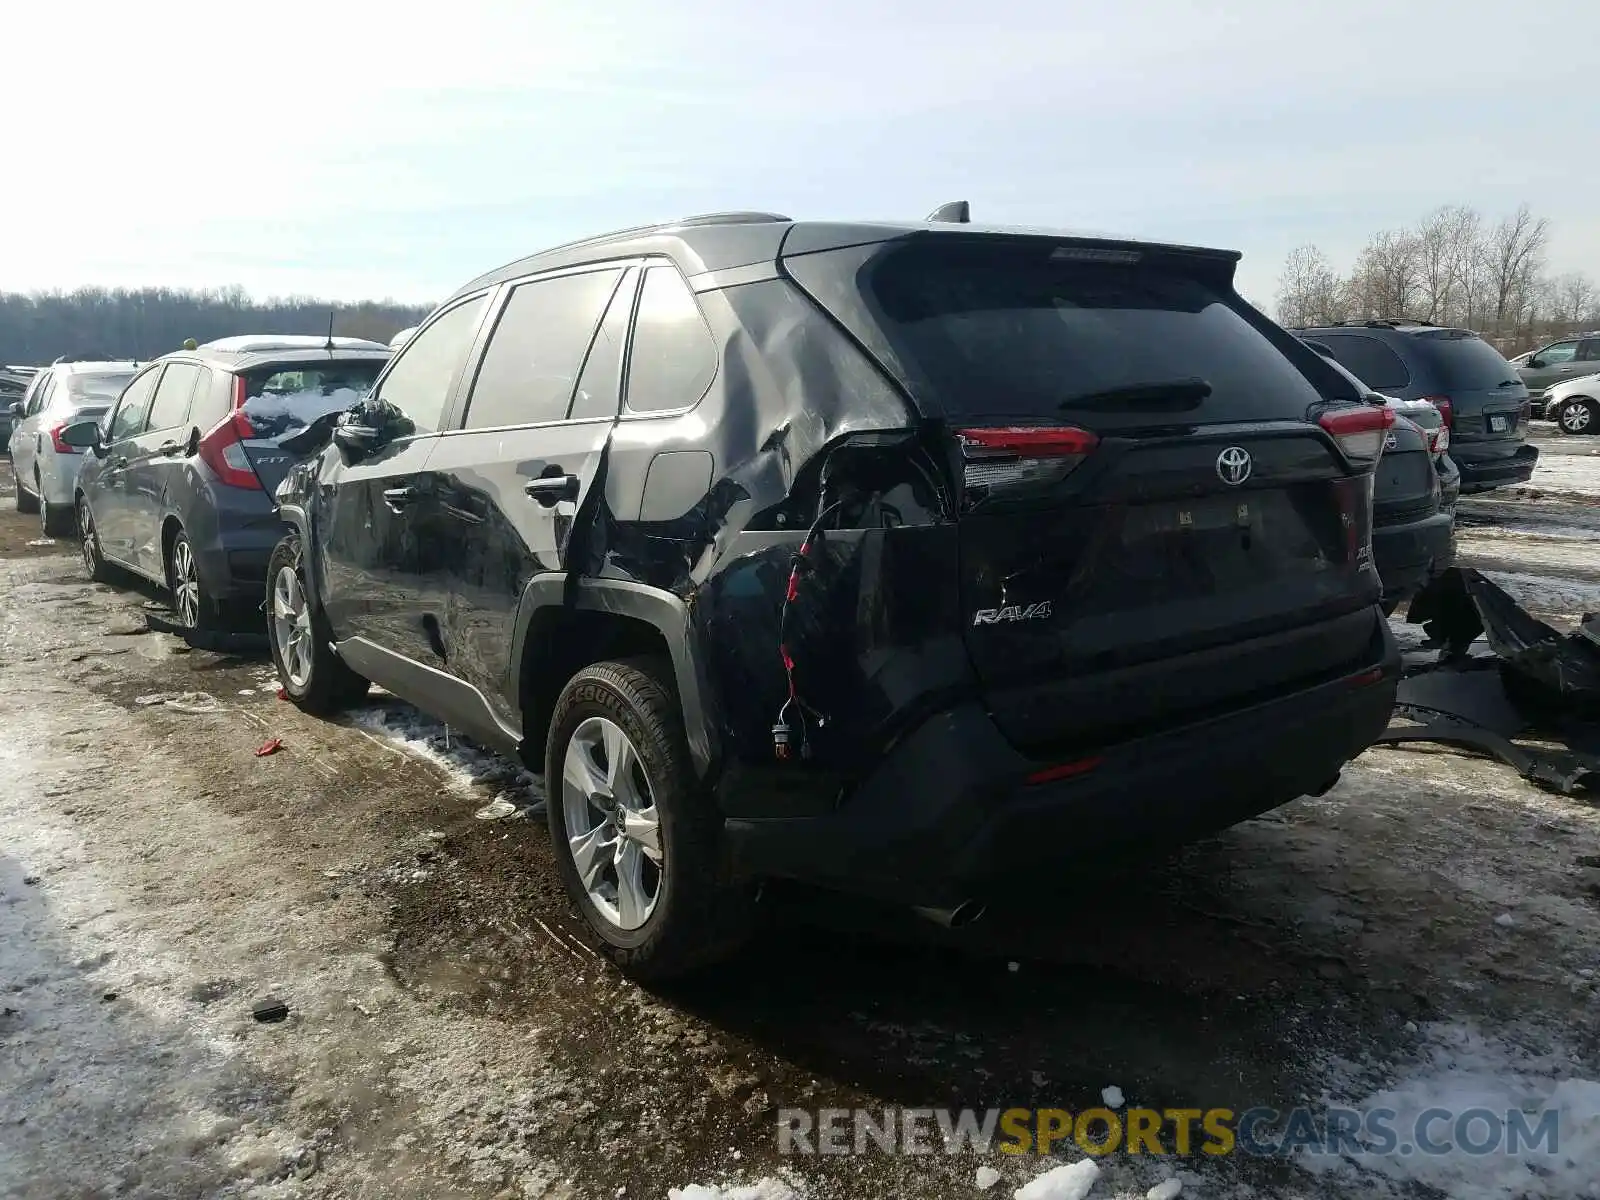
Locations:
118 464
552 489
398 498
168 449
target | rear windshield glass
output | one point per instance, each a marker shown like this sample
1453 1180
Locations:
103 390
283 400
987 331
1465 362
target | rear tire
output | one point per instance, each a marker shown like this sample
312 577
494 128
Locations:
1577 416
27 502
191 603
55 520
616 761
312 676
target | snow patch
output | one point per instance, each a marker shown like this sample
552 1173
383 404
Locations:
1460 1069
467 764
1112 1096
763 1189
1568 597
1167 1189
1069 1182
987 1178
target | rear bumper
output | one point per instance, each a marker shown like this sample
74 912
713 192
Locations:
950 815
1409 555
232 544
58 476
1492 468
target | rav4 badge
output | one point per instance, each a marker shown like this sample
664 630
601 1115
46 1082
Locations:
1012 612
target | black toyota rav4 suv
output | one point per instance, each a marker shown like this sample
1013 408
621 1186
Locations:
908 560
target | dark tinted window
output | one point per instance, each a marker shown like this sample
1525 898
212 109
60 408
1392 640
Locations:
1464 362
536 351
424 372
1368 359
600 385
1589 350
171 406
283 399
1019 329
673 358
128 420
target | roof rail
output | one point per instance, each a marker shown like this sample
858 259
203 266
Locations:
1396 322
732 218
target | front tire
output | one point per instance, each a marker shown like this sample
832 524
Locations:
312 676
1579 415
634 833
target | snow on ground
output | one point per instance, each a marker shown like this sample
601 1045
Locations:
1460 1069
763 1189
1567 466
1070 1181
467 765
1565 597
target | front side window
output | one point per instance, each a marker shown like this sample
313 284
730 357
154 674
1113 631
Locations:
673 358
422 378
1554 356
128 420
532 362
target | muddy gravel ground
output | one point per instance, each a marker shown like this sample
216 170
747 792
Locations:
450 1032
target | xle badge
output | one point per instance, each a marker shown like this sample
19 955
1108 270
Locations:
1012 612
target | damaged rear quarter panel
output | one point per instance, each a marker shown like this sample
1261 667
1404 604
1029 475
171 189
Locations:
876 637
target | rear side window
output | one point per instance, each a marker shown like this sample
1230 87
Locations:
128 420
211 403
171 405
282 399
534 356
1464 361
987 330
673 358
600 385
1589 350
41 397
424 373
1369 360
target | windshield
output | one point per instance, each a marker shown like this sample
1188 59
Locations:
992 331
1465 362
284 400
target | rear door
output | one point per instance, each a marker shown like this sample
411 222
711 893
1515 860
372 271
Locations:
110 500
504 488
25 442
151 455
1150 522
370 560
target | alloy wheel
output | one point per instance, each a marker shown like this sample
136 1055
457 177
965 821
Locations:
185 583
1576 416
88 544
612 825
291 627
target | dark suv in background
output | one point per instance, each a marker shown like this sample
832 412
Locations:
909 560
180 486
1483 401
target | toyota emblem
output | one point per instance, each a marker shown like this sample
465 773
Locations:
1233 465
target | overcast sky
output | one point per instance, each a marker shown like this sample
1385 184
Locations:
352 149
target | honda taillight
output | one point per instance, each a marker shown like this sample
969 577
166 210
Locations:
1439 439
222 450
55 439
1008 457
1446 409
1359 431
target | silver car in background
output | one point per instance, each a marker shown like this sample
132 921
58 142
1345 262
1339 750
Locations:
46 468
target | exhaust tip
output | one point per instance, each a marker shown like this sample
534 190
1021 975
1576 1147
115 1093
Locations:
963 914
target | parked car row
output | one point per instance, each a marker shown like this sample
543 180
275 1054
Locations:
899 559
46 468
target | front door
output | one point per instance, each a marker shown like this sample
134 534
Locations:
1555 364
504 487
109 499
366 518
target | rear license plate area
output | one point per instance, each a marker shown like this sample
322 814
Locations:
1499 423
1158 520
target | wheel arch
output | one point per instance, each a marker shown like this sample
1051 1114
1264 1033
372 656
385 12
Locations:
611 619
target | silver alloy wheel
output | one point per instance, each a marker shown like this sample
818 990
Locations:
91 551
1575 416
185 584
612 824
291 627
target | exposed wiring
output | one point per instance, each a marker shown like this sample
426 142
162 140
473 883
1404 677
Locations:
794 706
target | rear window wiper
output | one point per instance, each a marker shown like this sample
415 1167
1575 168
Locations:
1172 395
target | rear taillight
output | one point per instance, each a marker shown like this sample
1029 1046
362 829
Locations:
1007 457
1446 409
222 449
55 439
1359 431
1439 439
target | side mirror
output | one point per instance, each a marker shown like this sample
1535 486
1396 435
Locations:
1534 363
84 435
356 441
15 408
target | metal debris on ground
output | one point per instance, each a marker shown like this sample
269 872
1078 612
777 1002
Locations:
503 807
217 640
1524 680
269 1010
270 746
184 702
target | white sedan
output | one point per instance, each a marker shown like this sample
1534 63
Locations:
1574 404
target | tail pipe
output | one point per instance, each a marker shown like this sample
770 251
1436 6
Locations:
959 917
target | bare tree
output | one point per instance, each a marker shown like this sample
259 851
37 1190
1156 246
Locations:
1448 252
1573 297
1514 256
1310 291
1387 280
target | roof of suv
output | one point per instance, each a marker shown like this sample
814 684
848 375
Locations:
724 241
